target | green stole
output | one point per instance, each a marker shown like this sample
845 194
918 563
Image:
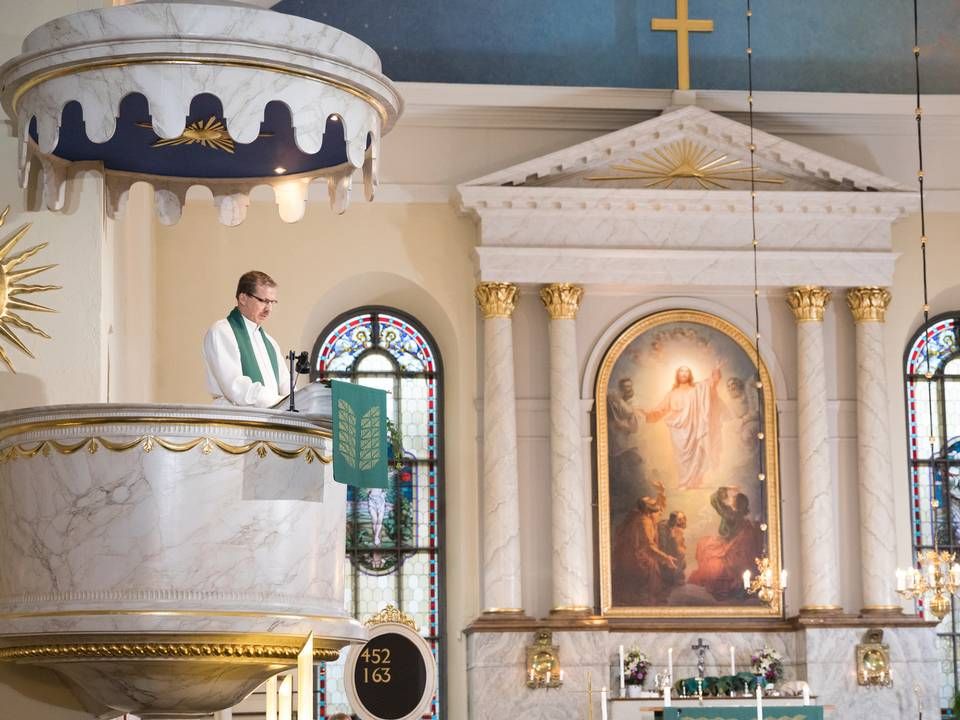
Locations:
248 360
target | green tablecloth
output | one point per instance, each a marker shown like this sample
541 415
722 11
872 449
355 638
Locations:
770 712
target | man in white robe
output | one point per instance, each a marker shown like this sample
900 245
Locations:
693 411
245 366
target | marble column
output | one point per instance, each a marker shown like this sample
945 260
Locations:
818 529
501 492
877 539
572 583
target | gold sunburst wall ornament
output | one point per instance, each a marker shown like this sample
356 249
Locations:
12 287
686 159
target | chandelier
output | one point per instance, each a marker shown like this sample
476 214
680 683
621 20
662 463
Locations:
767 585
178 93
938 574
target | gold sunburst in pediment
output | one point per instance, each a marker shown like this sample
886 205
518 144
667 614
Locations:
11 289
686 159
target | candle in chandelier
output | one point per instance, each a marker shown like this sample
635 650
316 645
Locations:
783 579
901 580
932 573
623 687
733 662
561 675
549 676
670 663
759 702
955 574
746 579
603 703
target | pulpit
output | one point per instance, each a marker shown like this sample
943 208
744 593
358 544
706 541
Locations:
168 559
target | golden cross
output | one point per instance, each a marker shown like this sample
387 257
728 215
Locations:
682 25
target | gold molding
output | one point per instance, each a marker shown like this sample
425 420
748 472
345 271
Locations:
392 614
198 60
603 480
139 650
79 422
868 304
562 300
11 288
808 302
169 613
496 299
146 444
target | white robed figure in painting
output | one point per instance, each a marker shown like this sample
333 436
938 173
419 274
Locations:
694 413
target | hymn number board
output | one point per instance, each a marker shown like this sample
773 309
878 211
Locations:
392 676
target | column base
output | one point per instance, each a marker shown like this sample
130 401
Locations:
875 610
571 611
820 610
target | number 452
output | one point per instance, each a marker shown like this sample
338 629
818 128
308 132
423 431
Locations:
376 656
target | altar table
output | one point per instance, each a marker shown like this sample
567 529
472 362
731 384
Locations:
740 708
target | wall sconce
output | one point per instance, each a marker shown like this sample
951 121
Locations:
873 660
543 662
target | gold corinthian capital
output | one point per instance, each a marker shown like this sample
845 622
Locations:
562 300
868 304
808 302
496 299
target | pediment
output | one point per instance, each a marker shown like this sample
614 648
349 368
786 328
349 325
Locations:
688 149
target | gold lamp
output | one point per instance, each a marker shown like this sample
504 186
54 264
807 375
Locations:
937 574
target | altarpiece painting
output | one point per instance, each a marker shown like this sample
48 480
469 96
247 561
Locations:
682 510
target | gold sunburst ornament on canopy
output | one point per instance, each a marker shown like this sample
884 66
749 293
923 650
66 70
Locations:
12 287
686 159
209 133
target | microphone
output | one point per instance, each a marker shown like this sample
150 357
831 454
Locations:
303 363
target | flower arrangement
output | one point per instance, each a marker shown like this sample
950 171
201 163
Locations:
635 666
767 663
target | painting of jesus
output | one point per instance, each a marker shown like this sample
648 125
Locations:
687 487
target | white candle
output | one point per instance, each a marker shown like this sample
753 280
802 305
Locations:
603 703
623 686
759 702
666 696
901 579
806 694
746 579
670 663
733 662
549 676
561 675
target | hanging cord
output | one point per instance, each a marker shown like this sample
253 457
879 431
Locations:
761 436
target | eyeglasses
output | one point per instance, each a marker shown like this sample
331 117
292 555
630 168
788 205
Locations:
265 301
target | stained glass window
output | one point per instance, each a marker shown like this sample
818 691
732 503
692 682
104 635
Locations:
933 422
393 535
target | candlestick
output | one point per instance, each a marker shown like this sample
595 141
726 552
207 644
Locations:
623 686
666 696
670 662
759 702
603 703
733 662
806 694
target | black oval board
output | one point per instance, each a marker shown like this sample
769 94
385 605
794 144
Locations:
390 676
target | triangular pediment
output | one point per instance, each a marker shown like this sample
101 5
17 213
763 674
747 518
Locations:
688 149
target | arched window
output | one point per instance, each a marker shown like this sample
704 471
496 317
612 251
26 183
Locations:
394 553
932 364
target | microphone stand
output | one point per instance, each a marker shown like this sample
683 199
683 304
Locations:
292 360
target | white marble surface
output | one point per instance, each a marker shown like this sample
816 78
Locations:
104 540
649 268
501 506
818 496
877 543
246 56
572 581
825 657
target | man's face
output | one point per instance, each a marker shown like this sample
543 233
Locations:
735 388
681 520
257 307
683 375
626 389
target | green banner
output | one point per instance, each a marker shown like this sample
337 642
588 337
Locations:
359 435
770 712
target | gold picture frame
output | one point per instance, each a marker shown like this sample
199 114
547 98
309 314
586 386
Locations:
657 472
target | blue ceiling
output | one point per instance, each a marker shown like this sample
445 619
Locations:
799 45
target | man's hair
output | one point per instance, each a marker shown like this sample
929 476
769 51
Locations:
340 716
248 282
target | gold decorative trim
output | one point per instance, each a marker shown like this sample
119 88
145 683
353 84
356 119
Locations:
146 443
496 299
503 611
821 609
139 651
210 133
686 160
169 613
197 60
868 304
808 302
11 288
603 479
562 300
79 422
392 614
